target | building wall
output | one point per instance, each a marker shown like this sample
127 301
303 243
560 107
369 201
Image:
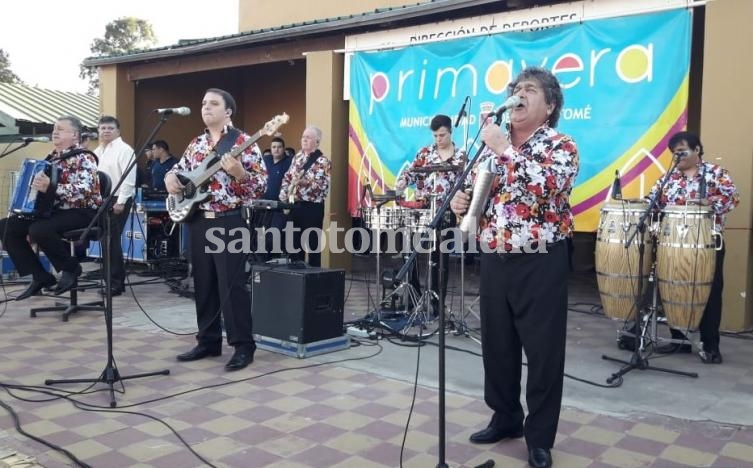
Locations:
259 14
726 97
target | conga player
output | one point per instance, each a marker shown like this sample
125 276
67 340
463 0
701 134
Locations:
699 181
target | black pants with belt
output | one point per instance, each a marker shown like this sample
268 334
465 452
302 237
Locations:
47 233
220 281
524 308
307 215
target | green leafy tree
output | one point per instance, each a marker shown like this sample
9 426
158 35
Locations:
124 35
6 74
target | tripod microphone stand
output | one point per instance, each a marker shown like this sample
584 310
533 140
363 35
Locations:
638 360
110 375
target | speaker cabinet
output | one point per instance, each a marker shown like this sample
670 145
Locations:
298 305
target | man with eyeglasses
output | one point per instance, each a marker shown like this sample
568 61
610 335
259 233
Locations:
708 184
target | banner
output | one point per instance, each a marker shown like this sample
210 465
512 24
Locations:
625 83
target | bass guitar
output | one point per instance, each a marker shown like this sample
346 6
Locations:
180 206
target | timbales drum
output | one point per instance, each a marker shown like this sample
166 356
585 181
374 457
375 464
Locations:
617 267
383 218
685 263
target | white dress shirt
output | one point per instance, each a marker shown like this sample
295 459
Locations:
114 158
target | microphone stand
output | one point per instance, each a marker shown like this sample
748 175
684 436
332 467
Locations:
433 226
24 144
637 360
110 374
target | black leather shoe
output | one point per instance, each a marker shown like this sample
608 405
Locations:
67 280
671 348
34 288
200 351
711 357
539 458
115 292
493 434
242 357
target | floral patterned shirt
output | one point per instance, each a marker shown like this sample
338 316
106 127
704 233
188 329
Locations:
318 175
227 193
438 183
720 190
530 195
78 183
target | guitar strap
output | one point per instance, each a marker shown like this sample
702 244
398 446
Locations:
310 161
227 141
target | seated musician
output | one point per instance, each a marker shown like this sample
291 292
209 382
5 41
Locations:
76 199
442 152
306 185
162 162
710 184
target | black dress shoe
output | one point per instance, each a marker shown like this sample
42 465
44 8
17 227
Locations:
67 281
200 351
34 288
539 458
671 348
242 357
493 434
114 292
711 357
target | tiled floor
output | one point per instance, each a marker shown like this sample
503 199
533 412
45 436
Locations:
343 409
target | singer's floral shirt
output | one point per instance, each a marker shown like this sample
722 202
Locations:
439 183
530 195
720 190
315 186
77 180
226 193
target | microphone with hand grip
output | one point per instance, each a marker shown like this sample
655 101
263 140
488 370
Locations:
174 110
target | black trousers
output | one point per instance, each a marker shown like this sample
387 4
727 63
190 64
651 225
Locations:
434 257
47 233
307 215
220 283
117 263
524 308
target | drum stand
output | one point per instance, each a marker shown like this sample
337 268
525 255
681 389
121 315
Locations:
639 360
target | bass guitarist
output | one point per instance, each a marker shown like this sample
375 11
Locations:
74 204
219 274
306 185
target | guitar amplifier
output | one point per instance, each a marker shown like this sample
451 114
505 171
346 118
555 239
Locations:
297 305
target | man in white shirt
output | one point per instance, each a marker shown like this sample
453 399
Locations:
114 157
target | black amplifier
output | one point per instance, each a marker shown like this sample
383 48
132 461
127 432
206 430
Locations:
298 305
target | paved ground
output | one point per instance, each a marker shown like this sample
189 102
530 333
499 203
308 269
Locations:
348 408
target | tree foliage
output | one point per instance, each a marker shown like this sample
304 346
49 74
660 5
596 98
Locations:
123 35
6 74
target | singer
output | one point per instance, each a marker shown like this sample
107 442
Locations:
219 279
435 185
524 295
696 179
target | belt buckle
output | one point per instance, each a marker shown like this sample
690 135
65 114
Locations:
210 215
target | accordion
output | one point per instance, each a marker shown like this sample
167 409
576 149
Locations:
29 202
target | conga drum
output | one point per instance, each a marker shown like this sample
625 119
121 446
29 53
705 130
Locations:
616 266
685 262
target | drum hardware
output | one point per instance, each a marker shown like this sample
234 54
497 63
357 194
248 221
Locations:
639 359
432 168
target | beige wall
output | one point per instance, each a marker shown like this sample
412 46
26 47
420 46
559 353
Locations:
727 96
259 14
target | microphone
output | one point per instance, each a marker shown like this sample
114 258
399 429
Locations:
681 154
462 111
616 186
89 136
39 139
512 102
174 110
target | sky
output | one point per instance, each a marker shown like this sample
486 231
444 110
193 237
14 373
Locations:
47 40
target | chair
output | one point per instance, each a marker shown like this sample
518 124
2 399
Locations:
95 234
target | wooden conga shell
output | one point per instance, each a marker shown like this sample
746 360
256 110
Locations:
616 266
685 262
